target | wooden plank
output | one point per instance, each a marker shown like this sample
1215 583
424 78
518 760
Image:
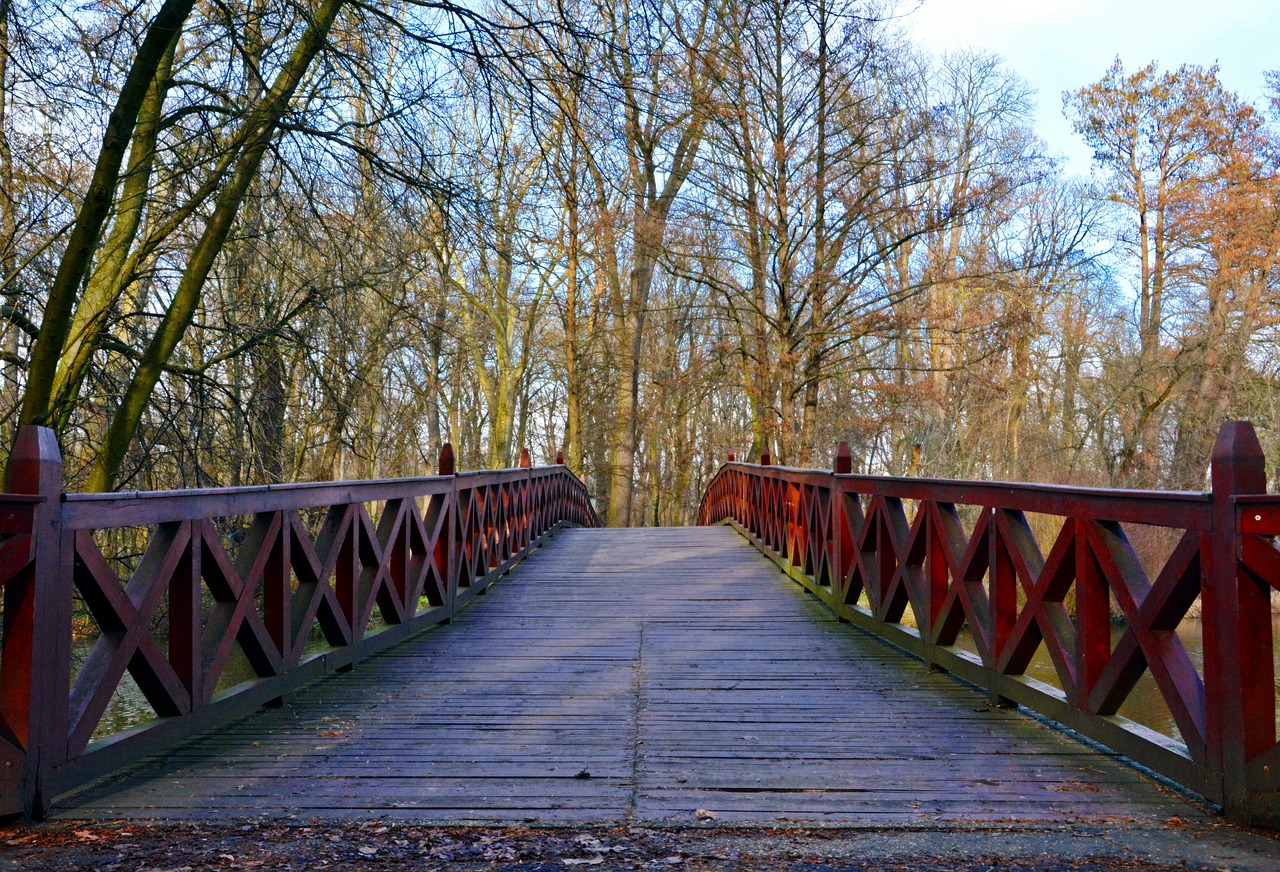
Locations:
672 669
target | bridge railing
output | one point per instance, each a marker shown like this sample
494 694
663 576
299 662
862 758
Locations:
216 602
920 562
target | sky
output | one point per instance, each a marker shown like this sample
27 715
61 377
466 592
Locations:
1059 45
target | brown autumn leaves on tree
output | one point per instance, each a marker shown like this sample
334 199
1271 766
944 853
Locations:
1191 169
272 240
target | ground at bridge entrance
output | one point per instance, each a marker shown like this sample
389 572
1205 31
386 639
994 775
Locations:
372 845
637 699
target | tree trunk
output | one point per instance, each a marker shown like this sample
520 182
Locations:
10 365
267 421
55 325
110 277
262 123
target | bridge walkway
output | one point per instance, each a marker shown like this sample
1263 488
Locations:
639 675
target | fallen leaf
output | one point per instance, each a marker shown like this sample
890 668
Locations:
594 861
367 850
703 814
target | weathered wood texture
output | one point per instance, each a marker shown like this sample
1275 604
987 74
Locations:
172 584
639 675
916 561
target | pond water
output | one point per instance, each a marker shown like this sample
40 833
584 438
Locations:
1145 705
129 707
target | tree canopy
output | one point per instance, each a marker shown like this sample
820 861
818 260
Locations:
248 241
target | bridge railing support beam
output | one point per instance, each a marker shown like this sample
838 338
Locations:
1239 666
268 593
35 665
848 539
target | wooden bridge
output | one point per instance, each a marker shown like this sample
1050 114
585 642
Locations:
648 675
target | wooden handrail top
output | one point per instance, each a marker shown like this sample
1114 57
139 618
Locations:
137 508
17 512
485 475
1188 510
1244 500
288 487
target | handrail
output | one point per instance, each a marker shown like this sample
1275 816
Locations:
256 568
851 537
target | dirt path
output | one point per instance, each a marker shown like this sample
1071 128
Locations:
374 845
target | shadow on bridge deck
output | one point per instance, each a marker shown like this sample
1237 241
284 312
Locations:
638 676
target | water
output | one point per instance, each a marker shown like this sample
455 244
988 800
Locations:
129 707
1145 704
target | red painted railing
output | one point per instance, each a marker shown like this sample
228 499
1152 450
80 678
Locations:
167 585
959 553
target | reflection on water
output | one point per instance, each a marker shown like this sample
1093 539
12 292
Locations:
129 707
1145 704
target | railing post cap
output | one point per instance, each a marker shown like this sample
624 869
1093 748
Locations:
525 462
1238 466
35 465
844 459
445 465
731 457
766 459
559 458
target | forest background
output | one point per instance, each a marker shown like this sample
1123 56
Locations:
248 241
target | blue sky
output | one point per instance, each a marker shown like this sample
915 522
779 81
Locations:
1059 45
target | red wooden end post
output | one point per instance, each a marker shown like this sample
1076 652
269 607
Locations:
1239 672
844 459
559 458
835 531
731 457
36 667
445 465
765 458
449 544
1239 680
523 527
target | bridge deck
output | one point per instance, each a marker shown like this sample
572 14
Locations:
638 675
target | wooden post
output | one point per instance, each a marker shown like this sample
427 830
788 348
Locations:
844 459
36 680
1239 679
843 465
559 458
731 457
521 506
445 464
449 535
765 458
